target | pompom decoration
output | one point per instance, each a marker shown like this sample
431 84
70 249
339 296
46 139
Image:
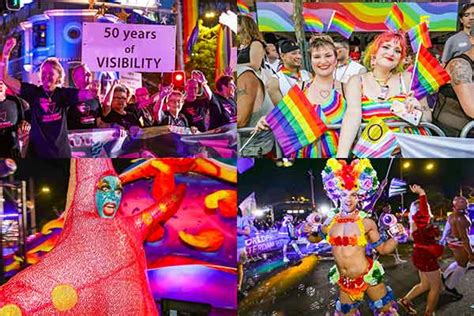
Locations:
359 175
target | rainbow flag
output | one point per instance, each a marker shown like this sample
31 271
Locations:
243 7
192 39
294 122
419 34
190 20
376 141
313 23
223 49
341 24
428 75
394 20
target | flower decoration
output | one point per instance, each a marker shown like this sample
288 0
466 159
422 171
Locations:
359 175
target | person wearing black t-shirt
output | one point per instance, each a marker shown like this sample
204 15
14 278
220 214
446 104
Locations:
48 106
171 115
86 114
196 109
120 114
223 109
11 115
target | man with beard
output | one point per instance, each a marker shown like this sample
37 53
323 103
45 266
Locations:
346 67
289 74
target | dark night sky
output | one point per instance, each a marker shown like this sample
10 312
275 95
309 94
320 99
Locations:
272 183
55 174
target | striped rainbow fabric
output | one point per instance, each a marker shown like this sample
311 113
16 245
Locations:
394 21
331 112
313 23
223 49
190 20
294 123
243 7
429 75
376 141
341 24
419 34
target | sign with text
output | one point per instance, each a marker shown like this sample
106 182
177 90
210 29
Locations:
129 47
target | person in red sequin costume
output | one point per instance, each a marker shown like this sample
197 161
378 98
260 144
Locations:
426 252
98 266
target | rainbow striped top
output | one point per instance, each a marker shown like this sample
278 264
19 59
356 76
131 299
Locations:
375 108
331 112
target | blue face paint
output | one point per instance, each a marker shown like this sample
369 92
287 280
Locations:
108 196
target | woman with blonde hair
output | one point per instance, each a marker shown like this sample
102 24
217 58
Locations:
374 93
325 95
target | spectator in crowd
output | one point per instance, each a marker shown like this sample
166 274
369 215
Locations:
12 122
346 67
290 73
273 58
48 105
120 113
252 45
196 104
87 114
223 108
457 44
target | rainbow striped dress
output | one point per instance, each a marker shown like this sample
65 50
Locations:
331 112
373 108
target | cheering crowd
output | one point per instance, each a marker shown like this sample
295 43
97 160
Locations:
35 120
346 89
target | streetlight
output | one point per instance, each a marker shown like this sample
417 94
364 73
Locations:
45 190
430 166
210 14
406 165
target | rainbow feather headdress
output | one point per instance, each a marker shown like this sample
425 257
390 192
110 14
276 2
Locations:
359 175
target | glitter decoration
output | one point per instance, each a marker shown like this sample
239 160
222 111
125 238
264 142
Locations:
147 219
96 257
64 297
310 291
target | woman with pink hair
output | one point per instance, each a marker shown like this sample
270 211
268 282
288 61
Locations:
374 93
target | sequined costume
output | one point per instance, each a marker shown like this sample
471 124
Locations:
98 266
426 249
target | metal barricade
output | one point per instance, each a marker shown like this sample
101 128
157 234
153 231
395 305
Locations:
466 129
246 131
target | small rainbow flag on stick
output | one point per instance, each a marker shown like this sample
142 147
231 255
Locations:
223 49
243 7
419 34
294 122
190 20
192 39
376 140
428 74
394 21
313 23
341 24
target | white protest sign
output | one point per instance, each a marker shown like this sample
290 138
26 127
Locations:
133 80
129 47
